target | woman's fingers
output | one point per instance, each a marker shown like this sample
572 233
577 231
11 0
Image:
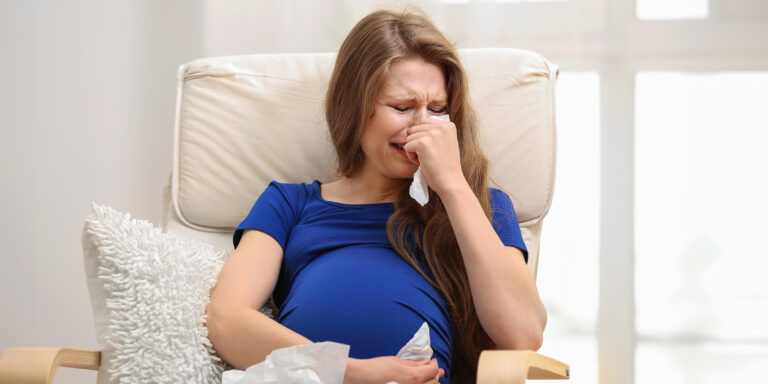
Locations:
390 368
426 125
429 136
436 379
415 363
415 136
412 147
413 157
428 371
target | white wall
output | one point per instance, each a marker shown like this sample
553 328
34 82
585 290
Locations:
87 95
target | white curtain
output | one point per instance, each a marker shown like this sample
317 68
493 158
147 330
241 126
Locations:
266 26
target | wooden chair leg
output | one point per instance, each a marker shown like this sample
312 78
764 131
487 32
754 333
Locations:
38 365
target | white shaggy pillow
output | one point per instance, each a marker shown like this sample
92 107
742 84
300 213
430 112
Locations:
149 291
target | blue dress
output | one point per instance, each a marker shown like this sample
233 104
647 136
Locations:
340 280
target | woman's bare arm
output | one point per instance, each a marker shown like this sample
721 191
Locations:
507 302
241 334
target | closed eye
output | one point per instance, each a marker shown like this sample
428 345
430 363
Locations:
436 111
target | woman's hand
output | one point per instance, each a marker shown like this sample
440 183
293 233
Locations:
434 146
380 370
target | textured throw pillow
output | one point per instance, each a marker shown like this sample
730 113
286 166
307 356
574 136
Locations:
149 291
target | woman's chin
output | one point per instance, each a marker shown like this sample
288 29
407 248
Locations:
402 172
408 169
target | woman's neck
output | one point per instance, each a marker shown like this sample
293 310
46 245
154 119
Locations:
358 189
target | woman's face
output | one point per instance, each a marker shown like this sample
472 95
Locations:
413 90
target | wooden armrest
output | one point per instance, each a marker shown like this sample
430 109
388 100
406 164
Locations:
514 367
37 365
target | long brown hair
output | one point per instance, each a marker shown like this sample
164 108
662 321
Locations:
361 67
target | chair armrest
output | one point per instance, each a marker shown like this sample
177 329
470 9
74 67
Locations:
37 365
514 367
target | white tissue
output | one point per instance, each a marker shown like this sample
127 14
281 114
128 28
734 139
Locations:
317 363
418 348
419 190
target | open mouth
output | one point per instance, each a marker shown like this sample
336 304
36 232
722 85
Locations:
400 150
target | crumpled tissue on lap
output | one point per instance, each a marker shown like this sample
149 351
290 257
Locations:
317 363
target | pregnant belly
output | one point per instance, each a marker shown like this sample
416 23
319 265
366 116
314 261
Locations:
368 298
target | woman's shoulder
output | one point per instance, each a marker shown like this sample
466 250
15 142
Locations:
500 201
288 186
292 192
498 197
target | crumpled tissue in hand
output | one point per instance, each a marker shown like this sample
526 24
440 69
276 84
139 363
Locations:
419 190
418 348
317 363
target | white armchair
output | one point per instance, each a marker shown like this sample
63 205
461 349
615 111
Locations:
235 117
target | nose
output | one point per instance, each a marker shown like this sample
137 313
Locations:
419 114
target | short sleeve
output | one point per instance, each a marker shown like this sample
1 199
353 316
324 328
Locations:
505 221
274 213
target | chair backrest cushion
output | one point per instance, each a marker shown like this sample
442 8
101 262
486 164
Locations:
243 121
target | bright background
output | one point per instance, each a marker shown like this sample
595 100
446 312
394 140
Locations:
653 260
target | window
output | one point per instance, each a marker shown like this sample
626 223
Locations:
700 212
672 9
